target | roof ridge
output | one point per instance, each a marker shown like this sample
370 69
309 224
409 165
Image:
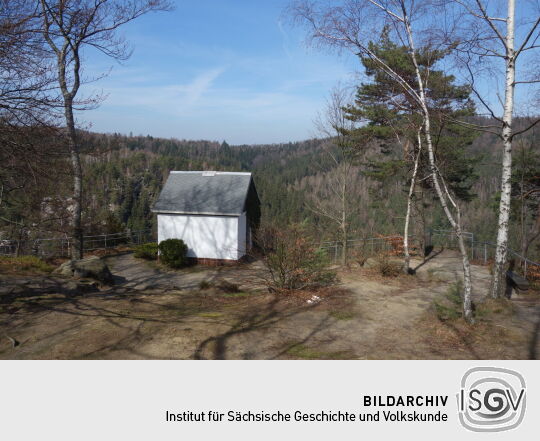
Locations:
216 172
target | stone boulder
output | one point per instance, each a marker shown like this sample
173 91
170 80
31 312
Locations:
90 267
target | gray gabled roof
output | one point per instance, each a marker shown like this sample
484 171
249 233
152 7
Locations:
198 192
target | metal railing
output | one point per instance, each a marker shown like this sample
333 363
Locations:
480 252
367 247
483 252
61 246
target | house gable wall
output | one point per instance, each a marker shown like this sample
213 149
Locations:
207 237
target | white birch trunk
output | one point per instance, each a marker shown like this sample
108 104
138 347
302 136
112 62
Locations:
407 259
498 278
455 222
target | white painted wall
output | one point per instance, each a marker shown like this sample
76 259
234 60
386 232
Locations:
209 237
242 234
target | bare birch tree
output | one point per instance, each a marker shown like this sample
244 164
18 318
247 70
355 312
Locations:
491 33
333 200
70 27
351 24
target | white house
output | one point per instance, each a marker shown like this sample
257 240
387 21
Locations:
214 213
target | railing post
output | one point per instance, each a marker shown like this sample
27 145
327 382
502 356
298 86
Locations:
105 240
485 254
525 269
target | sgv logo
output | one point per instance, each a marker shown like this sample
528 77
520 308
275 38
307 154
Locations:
491 399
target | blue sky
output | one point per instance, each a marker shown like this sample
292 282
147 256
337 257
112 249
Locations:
229 70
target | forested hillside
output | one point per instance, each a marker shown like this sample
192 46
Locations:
132 170
125 174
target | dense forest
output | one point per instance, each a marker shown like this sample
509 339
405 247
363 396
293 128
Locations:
124 175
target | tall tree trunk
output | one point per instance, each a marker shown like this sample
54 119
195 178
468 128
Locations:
344 228
498 278
442 195
68 95
456 226
522 216
76 221
410 197
345 247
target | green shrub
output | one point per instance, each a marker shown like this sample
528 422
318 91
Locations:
24 264
147 251
173 253
292 261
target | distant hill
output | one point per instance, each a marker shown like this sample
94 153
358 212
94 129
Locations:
124 175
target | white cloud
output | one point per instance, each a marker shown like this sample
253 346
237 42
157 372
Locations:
285 40
193 91
175 97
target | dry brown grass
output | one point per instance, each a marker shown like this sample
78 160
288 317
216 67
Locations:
24 265
493 336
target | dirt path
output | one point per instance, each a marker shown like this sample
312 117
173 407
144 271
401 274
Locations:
137 274
153 313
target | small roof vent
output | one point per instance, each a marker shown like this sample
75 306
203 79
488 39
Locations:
209 173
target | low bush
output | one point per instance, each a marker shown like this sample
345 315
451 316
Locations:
173 253
24 264
495 309
204 284
147 251
228 287
359 256
386 267
293 261
223 286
